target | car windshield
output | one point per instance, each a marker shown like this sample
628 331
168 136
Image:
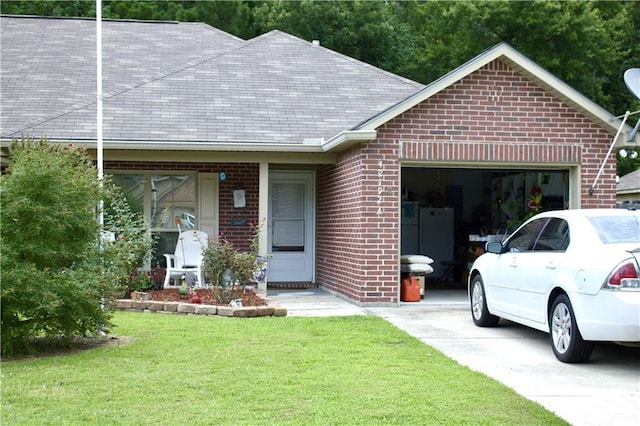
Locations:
617 229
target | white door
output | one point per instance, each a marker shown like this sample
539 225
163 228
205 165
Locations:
291 225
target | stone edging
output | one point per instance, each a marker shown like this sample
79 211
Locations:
183 308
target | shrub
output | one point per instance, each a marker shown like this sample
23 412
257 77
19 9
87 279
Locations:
217 258
228 269
54 279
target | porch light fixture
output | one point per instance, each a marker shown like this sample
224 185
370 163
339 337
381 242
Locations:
624 154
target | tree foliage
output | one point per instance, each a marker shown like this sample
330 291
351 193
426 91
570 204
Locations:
371 31
49 8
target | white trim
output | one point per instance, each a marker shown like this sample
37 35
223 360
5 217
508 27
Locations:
297 158
348 138
444 164
319 146
575 186
208 200
187 145
263 213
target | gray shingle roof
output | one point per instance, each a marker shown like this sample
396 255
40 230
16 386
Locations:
182 82
629 183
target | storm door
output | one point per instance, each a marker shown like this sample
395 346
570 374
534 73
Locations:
291 226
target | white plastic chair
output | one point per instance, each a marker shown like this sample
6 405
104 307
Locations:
187 257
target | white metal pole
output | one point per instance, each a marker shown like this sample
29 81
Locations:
99 102
593 186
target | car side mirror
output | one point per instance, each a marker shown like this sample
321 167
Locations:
494 247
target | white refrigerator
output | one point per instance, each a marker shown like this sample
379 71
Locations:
436 237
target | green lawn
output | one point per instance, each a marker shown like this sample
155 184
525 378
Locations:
268 370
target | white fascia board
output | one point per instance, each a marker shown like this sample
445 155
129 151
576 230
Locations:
299 158
197 146
348 138
318 146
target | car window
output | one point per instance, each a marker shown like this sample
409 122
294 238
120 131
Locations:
554 236
617 229
524 237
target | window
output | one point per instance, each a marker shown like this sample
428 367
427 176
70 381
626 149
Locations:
616 229
173 197
523 238
162 198
554 236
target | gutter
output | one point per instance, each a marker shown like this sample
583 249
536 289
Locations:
312 145
349 138
157 145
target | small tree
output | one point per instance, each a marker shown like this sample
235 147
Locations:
54 278
131 246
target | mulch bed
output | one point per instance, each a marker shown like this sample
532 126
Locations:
206 296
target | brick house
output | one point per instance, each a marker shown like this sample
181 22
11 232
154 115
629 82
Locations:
345 163
628 190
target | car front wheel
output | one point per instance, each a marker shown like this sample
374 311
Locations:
479 311
566 340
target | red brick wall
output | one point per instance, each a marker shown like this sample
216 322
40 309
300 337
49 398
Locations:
239 176
494 115
497 115
357 237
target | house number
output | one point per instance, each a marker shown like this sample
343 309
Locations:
380 174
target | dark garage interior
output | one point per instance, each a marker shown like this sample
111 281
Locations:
448 214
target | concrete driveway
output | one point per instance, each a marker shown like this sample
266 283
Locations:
604 391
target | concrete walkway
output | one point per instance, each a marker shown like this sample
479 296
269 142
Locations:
315 302
605 390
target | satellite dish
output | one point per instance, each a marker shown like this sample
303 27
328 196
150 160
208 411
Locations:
632 80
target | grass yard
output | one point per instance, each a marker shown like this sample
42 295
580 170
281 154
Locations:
268 370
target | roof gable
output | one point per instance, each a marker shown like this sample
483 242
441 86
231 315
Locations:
519 63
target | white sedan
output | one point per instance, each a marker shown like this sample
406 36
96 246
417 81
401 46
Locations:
574 274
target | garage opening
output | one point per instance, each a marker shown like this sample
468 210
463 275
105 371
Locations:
448 214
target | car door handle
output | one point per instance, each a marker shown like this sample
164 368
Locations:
513 263
551 265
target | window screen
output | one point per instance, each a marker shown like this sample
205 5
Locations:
288 217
